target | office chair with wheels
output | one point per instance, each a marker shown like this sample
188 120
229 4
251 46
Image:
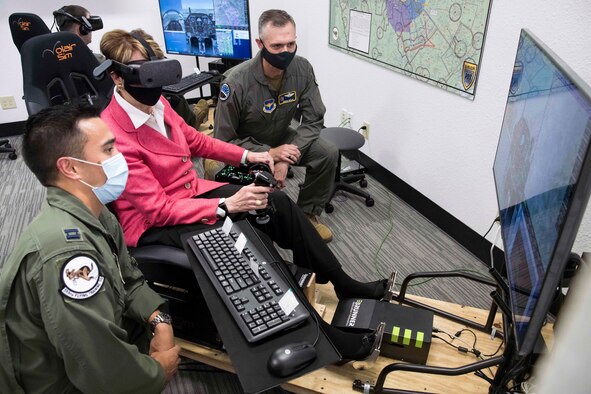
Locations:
5 147
346 140
24 26
57 69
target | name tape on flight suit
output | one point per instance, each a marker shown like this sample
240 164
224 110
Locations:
288 97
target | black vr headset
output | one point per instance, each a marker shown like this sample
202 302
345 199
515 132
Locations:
92 23
151 73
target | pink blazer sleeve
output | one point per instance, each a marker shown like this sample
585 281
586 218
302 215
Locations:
158 206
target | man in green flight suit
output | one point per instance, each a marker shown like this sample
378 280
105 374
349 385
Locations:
258 100
75 310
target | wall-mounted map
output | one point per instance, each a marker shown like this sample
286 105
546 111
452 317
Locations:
439 42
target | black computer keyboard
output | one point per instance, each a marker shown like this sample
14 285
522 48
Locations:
253 300
188 82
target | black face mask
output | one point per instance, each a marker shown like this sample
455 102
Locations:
146 96
278 60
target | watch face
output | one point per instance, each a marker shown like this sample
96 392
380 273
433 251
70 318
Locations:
166 318
160 318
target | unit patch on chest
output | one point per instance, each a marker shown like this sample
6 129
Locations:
288 97
269 106
81 278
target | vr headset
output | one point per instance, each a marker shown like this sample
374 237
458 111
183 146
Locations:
151 73
87 25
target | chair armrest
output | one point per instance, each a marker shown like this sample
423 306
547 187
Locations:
161 254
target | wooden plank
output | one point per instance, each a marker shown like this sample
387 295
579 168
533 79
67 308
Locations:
339 379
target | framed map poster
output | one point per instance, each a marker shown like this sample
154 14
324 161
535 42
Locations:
438 42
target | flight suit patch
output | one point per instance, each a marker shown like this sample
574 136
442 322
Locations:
288 97
72 234
225 92
81 278
269 106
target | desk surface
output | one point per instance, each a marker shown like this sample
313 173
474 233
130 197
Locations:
339 379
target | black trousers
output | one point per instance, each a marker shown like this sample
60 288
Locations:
288 227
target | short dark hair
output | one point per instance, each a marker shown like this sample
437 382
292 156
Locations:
67 24
277 18
52 133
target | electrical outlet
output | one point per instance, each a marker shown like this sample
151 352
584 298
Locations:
346 117
365 130
7 102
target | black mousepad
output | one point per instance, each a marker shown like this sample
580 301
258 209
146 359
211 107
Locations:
250 359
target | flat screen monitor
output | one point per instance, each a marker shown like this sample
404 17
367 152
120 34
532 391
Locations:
209 28
542 174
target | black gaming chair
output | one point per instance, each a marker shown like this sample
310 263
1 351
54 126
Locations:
24 26
168 272
57 69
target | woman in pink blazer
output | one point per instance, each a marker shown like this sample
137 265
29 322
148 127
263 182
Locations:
165 198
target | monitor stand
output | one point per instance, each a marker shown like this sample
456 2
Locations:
222 65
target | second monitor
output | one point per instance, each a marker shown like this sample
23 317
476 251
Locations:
209 28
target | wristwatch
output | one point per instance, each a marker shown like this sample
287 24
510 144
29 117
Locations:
160 318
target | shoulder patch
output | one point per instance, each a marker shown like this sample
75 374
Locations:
225 92
81 278
72 234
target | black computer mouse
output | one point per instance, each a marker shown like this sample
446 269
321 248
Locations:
291 358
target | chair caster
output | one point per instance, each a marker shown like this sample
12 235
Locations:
12 156
328 208
369 202
363 183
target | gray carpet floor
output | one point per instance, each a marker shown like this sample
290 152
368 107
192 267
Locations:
370 242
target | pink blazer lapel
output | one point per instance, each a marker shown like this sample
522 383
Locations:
155 142
149 138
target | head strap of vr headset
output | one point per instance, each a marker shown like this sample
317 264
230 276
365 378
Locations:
145 44
85 26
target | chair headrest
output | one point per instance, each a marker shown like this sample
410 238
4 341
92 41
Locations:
58 66
24 26
57 54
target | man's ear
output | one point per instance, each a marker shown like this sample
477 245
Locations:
259 43
78 31
68 168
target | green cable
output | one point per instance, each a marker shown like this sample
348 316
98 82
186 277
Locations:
377 252
375 257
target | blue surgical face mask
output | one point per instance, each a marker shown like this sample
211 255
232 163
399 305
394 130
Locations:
115 169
